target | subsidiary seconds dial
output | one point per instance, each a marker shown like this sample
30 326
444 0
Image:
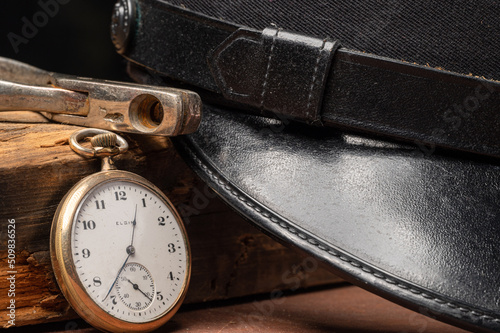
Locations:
134 281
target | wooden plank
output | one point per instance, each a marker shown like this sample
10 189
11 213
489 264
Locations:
37 167
342 309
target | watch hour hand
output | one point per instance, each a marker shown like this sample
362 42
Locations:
117 275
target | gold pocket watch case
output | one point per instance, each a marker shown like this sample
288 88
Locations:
119 249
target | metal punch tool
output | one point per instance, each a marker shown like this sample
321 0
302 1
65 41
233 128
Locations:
115 106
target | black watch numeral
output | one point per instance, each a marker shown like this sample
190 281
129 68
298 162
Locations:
100 204
88 225
122 195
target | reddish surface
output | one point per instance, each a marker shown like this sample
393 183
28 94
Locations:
341 309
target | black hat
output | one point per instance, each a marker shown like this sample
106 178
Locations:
363 132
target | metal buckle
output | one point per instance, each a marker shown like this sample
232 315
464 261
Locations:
115 106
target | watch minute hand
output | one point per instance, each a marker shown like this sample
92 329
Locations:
133 226
117 275
130 251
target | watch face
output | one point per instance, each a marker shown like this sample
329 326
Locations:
128 251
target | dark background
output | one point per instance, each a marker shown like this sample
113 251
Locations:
76 40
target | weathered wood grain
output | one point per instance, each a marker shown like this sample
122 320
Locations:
37 167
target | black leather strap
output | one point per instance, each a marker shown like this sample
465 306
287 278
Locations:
284 73
304 78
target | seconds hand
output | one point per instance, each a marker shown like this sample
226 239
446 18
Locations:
130 251
136 287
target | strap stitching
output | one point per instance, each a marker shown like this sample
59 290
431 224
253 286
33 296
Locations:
315 74
268 69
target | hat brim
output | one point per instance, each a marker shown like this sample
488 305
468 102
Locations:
421 230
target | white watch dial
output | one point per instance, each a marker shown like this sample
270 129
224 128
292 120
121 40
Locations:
129 251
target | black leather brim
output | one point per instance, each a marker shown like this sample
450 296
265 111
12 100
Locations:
421 230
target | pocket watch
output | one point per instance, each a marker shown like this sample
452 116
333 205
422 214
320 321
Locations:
119 249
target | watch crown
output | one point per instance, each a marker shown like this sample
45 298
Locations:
105 140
